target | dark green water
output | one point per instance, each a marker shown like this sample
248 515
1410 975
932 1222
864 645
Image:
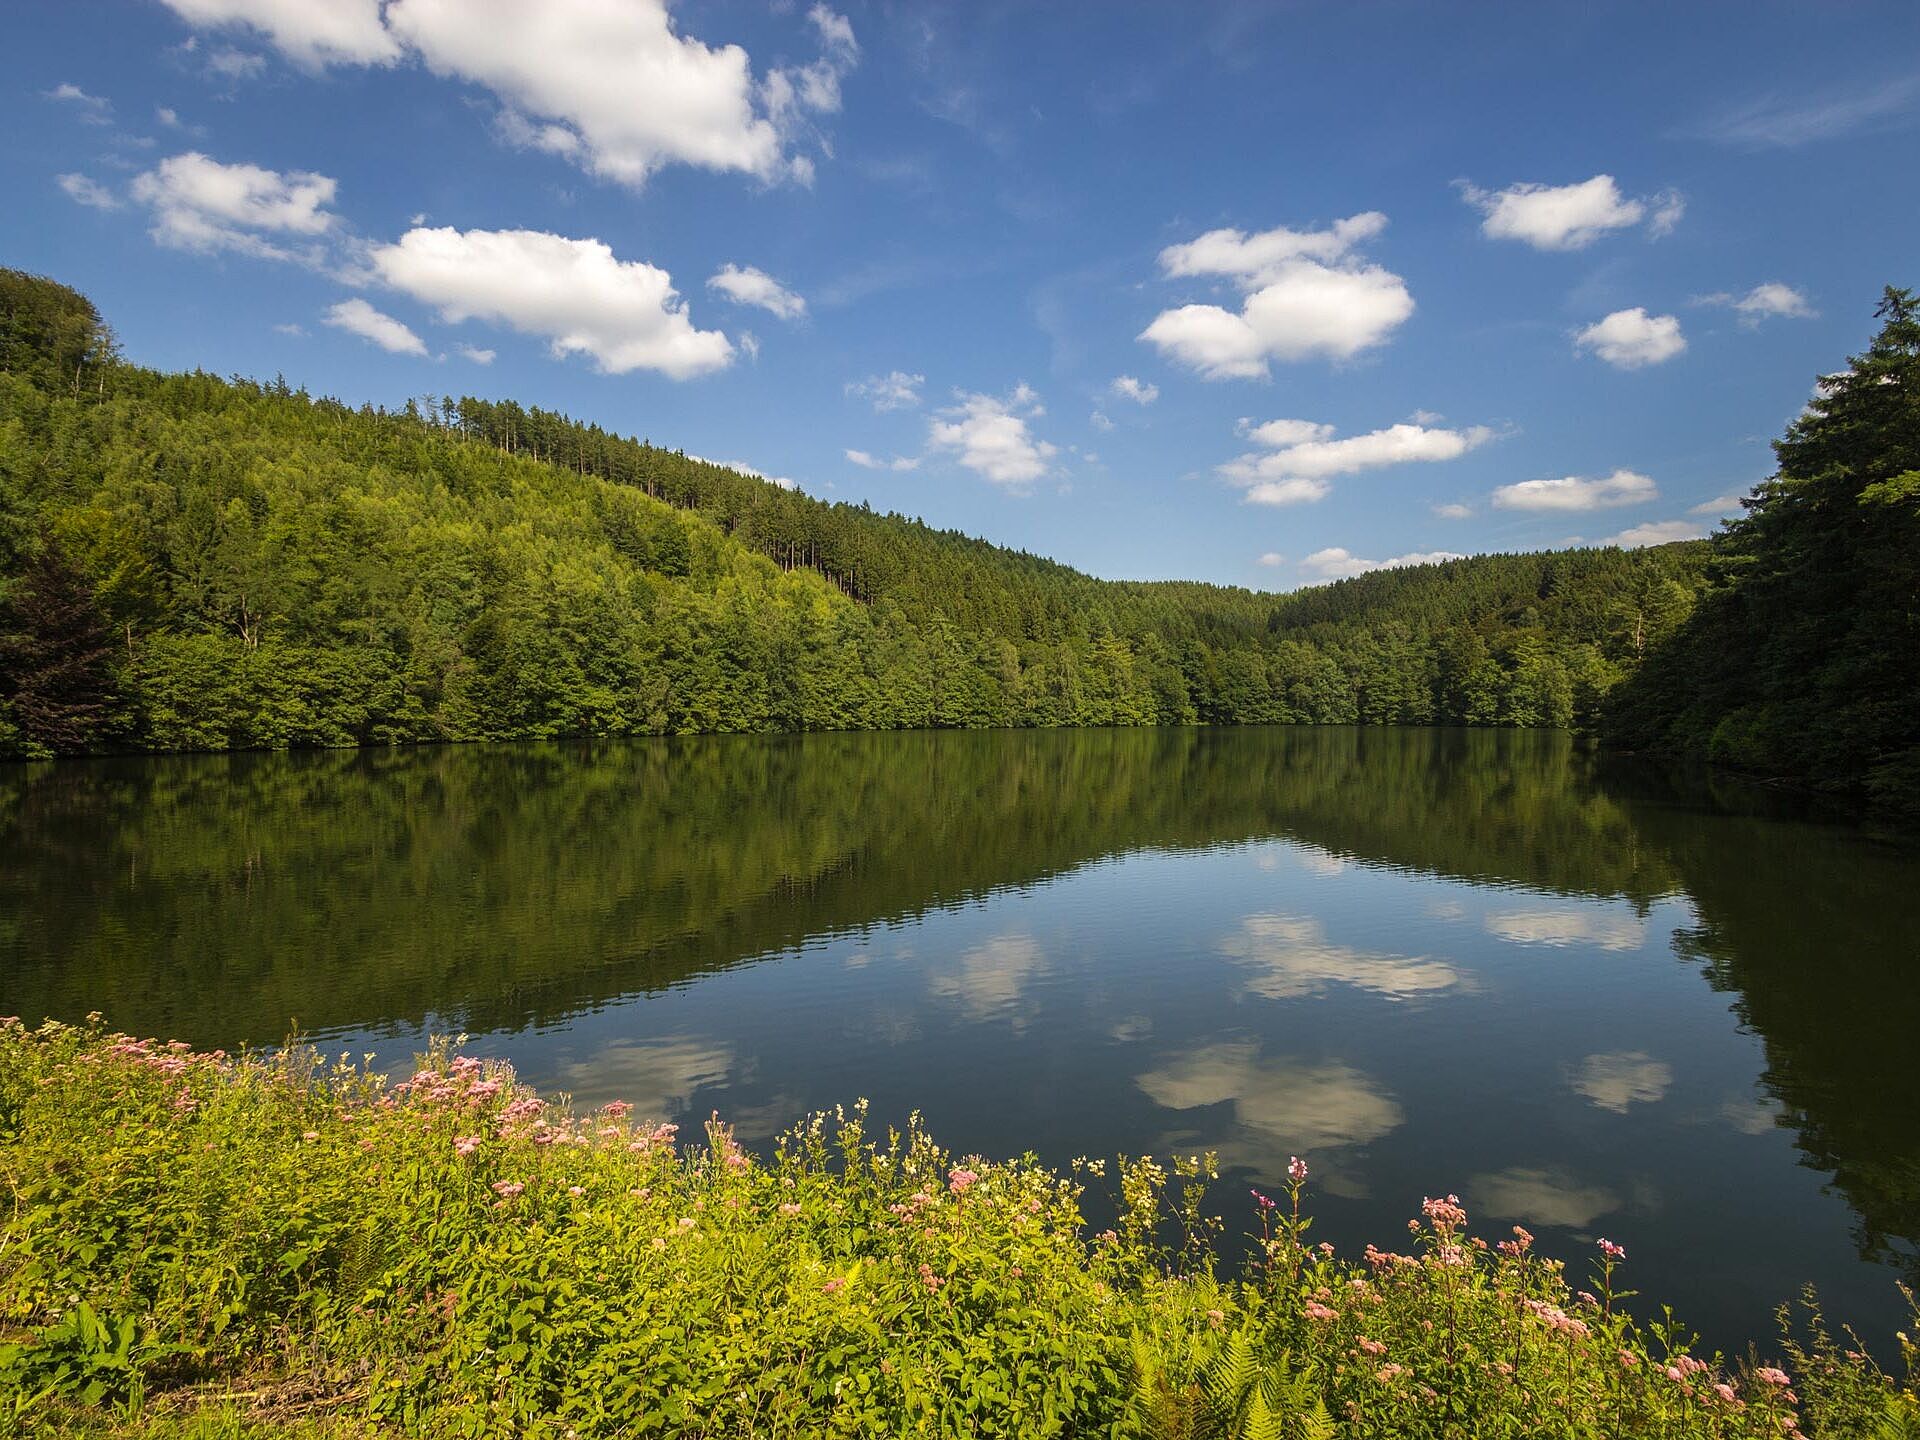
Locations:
1580 996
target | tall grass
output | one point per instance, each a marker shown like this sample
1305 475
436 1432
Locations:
199 1245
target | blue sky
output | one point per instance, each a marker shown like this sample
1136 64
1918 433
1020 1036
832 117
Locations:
1258 294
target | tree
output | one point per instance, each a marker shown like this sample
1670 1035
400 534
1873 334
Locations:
56 659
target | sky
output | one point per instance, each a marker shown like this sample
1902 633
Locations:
1259 294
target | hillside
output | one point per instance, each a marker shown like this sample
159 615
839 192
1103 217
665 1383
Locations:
192 563
1802 662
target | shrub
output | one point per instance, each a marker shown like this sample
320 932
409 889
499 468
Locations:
453 1256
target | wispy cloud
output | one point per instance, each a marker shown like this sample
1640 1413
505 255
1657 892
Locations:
1786 121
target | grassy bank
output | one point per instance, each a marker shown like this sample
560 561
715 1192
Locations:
199 1245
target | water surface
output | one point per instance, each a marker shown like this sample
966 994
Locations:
1581 995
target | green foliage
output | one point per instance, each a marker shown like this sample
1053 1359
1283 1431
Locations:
1802 659
278 571
451 1256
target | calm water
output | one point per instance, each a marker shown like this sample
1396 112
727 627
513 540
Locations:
1429 961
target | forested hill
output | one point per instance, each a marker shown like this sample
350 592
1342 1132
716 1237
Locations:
1803 660
188 562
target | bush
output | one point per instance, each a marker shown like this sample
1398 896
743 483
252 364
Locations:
452 1256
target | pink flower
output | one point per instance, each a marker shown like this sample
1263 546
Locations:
834 1286
1771 1376
507 1189
1317 1311
1725 1392
466 1144
1265 1203
575 1191
1611 1250
1372 1347
1387 1374
1216 1318
1445 1214
789 1209
1296 1169
616 1110
960 1179
928 1278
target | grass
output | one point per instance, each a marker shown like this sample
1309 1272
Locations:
198 1245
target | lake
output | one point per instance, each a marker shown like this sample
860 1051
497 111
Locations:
1587 996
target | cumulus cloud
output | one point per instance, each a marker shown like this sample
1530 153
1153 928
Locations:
744 285
1452 510
359 318
92 109
623 314
1141 392
608 84
1541 1197
1763 302
1303 455
199 203
1307 294
989 436
867 461
989 980
1631 339
896 390
85 191
312 35
1338 563
1657 532
1272 558
1568 217
1719 505
476 354
1574 492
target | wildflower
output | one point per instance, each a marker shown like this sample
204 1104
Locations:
466 1145
1317 1311
1611 1250
834 1286
1725 1392
1296 1169
1375 1348
575 1190
1629 1360
507 1189
1216 1318
790 1209
1769 1375
616 1110
928 1278
960 1179
1389 1373
1265 1203
1445 1214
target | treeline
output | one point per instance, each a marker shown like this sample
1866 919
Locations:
1802 661
191 563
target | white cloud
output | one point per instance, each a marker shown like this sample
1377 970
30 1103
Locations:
1310 1106
359 318
1307 294
1272 558
201 204
1304 455
991 438
608 84
1453 511
1622 1079
1631 339
785 482
311 33
92 109
1657 532
1573 492
1541 1197
292 328
895 390
1719 505
1100 421
868 461
476 354
230 64
1568 217
1763 302
1141 392
574 294
84 191
989 980
1338 563
744 285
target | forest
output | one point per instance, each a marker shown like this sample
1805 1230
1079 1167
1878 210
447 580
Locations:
196 563
1802 660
